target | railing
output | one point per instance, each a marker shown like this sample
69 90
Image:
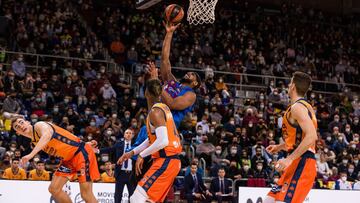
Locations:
42 61
261 82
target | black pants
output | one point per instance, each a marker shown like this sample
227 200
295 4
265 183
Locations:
220 199
191 198
121 181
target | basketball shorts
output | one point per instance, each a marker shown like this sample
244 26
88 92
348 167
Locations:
83 164
158 180
296 181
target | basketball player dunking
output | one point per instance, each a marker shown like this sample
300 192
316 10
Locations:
299 133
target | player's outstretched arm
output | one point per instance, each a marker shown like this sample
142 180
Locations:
300 114
46 133
180 102
165 66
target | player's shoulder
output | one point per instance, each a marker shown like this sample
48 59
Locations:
32 171
21 170
7 170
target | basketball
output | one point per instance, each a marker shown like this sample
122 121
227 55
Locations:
174 13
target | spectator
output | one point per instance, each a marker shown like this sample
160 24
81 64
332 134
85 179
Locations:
18 67
194 187
107 91
11 103
14 172
39 173
221 187
323 169
199 171
342 183
108 175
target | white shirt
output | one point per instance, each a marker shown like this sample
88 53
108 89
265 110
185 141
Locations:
356 185
205 127
129 162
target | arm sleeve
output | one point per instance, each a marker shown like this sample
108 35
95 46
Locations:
161 141
141 147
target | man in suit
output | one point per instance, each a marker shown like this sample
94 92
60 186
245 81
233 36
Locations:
220 187
122 172
194 187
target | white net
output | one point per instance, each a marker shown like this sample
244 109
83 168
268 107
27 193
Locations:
201 11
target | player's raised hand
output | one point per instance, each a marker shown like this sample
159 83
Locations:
152 70
272 149
125 157
170 27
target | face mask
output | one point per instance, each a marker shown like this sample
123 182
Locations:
199 132
326 150
87 112
68 82
340 138
12 149
356 139
133 104
134 125
106 86
233 151
34 120
345 161
344 178
347 130
313 96
127 116
356 122
276 180
92 123
66 101
246 168
206 101
356 162
350 170
250 125
38 99
36 159
212 131
262 106
56 110
232 122
104 158
259 168
109 132
70 113
89 138
113 138
261 97
218 152
336 120
353 146
328 139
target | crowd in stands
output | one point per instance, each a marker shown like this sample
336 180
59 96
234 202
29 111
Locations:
225 132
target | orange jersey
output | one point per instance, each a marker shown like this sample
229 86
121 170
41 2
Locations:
174 147
63 144
292 133
43 175
20 174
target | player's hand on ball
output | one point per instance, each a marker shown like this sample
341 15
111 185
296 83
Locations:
282 164
272 149
125 157
139 165
170 27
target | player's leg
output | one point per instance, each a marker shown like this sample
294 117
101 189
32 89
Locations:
86 191
139 195
55 188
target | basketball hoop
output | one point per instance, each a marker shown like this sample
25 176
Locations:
201 11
